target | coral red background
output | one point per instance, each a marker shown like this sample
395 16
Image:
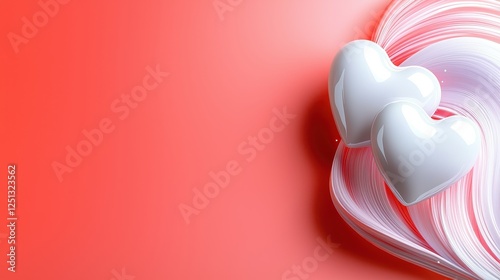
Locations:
116 215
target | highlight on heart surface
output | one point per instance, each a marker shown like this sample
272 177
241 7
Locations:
456 231
363 80
417 156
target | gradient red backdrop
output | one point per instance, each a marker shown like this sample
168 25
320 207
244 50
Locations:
218 170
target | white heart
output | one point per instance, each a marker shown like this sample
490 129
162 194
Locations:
419 156
363 80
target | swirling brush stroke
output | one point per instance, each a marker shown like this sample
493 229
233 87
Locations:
457 232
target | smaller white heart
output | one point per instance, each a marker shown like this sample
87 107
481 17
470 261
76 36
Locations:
419 156
363 80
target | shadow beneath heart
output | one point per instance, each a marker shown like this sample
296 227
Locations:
319 135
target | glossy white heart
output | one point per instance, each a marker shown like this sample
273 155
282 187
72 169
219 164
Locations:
363 80
419 156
